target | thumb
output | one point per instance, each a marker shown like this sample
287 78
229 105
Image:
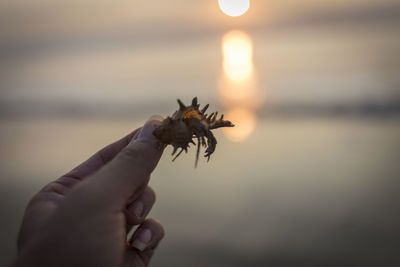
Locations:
129 172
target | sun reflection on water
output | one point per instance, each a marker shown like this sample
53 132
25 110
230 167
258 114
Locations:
245 122
238 88
237 50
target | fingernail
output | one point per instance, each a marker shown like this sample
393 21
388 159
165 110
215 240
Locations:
142 239
137 208
146 134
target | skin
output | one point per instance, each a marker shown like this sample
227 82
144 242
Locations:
82 218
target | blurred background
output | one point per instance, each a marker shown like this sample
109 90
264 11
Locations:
308 177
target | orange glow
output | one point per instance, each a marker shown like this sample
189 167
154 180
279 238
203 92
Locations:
245 122
192 114
237 50
243 93
238 86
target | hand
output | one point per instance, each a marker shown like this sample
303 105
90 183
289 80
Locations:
82 218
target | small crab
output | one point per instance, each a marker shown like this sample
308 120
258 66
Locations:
188 123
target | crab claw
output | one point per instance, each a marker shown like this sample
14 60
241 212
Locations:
209 151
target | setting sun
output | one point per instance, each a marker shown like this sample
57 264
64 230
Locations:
234 8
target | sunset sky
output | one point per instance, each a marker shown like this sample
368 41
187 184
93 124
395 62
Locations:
147 49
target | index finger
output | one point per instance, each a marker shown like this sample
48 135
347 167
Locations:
128 172
102 157
65 183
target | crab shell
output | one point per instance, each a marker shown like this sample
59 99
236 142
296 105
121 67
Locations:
174 132
189 122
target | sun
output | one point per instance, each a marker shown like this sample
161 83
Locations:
234 8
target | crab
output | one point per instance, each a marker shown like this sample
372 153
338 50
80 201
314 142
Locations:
187 123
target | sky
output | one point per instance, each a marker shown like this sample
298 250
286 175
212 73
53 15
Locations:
93 52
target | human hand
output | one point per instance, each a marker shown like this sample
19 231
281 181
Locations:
82 218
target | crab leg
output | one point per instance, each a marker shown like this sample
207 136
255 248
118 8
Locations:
203 141
198 152
175 149
180 152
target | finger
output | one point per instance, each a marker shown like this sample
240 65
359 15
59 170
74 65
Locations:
63 185
148 235
102 157
137 211
128 172
144 241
